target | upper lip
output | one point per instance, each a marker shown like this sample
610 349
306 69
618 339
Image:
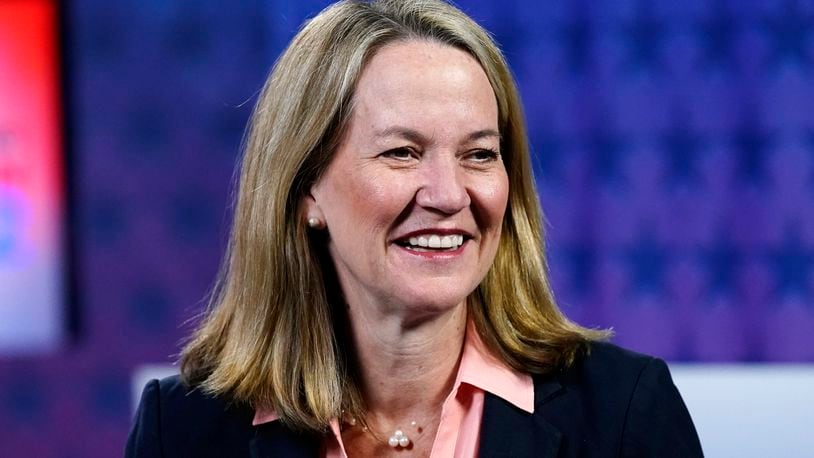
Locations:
436 231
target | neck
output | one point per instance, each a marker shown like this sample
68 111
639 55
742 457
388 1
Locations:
407 368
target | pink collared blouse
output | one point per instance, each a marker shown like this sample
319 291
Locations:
459 430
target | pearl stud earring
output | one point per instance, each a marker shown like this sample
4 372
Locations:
314 223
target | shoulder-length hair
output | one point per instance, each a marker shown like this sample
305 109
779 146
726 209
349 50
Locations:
269 337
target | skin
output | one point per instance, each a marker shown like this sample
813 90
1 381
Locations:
421 152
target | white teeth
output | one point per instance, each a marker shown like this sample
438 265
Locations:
437 241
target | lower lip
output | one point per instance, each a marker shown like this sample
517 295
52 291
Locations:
436 254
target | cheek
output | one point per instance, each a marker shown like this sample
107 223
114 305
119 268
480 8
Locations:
494 196
364 202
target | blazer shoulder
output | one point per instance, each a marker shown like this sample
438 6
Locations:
180 399
604 367
607 357
175 419
623 402
604 373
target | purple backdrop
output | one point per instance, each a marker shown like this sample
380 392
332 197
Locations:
674 144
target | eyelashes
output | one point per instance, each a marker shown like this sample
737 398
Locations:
478 155
403 154
484 155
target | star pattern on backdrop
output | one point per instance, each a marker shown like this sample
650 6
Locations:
717 36
582 259
809 146
644 37
752 146
547 155
647 261
793 265
607 148
682 149
721 261
147 129
789 31
189 37
577 38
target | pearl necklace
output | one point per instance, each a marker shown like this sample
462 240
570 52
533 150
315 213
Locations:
397 440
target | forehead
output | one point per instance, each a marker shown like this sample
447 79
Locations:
419 81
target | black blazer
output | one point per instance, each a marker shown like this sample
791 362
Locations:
612 403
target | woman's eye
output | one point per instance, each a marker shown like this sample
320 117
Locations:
483 155
401 154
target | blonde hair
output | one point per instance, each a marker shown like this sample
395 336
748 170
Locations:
269 338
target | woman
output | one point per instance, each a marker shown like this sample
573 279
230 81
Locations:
385 291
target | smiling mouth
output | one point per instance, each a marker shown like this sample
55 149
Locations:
429 243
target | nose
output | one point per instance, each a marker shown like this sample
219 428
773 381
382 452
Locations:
443 187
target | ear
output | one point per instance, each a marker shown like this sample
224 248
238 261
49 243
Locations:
311 212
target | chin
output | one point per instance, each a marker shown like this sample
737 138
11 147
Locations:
435 304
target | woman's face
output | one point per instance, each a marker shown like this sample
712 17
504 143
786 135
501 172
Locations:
415 195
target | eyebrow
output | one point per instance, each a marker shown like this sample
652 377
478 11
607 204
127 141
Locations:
417 137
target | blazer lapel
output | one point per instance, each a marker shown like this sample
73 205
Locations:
275 440
509 431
